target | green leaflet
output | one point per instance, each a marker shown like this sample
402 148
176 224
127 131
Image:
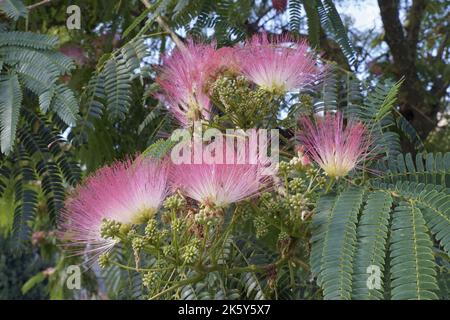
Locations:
10 104
413 271
312 14
371 248
332 22
434 202
14 9
338 242
159 149
28 40
320 223
425 168
295 15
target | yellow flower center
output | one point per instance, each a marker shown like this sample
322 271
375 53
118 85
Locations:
143 216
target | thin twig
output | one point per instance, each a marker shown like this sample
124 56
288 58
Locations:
38 4
194 279
165 27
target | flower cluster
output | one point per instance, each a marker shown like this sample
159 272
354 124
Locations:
278 65
129 193
193 197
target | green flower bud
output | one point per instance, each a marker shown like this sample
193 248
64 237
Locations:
214 221
168 250
283 236
110 229
131 234
150 279
273 205
296 185
190 252
125 229
177 225
103 260
296 201
151 230
284 167
201 217
295 215
209 215
174 202
163 234
294 161
137 244
238 97
260 226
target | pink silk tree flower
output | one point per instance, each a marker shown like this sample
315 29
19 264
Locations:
227 59
184 78
335 147
127 192
280 65
219 184
303 159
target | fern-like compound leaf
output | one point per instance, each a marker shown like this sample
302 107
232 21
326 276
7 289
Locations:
413 269
10 104
371 249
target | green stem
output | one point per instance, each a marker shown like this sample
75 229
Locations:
120 265
223 237
330 185
181 283
174 237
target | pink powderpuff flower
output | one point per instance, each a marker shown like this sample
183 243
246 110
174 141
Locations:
280 65
218 184
184 78
126 192
335 147
304 160
227 58
302 157
221 184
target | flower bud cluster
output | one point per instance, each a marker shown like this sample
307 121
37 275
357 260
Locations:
138 244
297 185
174 202
191 251
239 98
153 234
176 225
104 260
150 279
208 215
296 201
261 226
110 229
244 210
